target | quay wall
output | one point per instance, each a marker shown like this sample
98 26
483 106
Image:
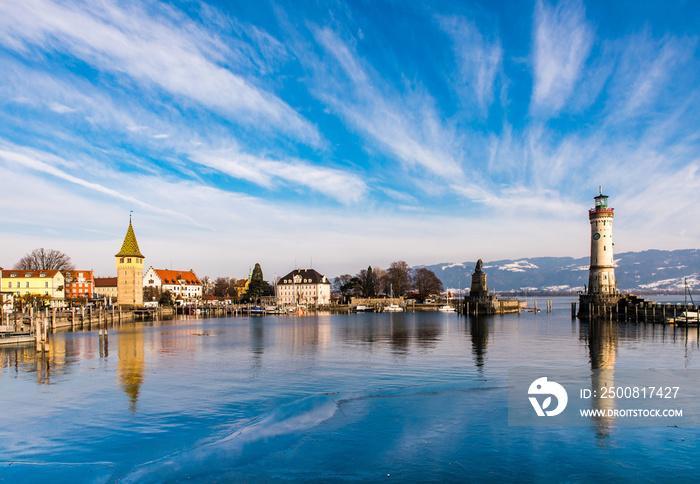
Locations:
69 319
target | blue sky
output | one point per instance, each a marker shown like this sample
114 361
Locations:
345 134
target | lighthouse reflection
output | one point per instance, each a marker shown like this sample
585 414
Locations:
602 338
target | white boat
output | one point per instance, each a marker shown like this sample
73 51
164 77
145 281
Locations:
447 309
686 317
392 308
361 308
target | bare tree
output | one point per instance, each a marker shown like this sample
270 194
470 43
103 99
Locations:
425 282
207 286
221 286
45 260
399 277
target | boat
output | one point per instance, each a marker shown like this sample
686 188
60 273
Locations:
273 310
447 308
361 308
257 310
392 308
687 316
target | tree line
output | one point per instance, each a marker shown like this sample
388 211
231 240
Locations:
399 279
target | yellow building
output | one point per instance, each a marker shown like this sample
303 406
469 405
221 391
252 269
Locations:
130 272
106 287
49 285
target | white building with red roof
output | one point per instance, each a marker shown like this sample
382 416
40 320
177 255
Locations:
183 283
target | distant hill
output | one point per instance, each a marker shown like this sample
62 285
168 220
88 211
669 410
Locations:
650 270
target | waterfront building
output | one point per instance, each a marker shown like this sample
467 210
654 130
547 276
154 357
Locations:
129 272
602 286
47 285
241 286
79 284
303 286
106 287
6 299
185 284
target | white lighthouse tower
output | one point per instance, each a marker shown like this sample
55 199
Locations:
602 286
601 275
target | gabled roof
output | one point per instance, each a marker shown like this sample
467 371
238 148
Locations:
22 273
308 276
75 273
105 281
168 276
130 248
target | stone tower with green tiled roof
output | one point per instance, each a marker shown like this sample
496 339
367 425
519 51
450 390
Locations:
130 272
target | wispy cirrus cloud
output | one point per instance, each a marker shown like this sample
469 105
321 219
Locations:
175 138
157 50
478 60
406 126
562 42
333 183
647 73
59 169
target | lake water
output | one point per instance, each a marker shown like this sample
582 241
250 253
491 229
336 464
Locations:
351 397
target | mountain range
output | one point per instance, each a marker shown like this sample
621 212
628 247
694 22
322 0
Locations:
647 271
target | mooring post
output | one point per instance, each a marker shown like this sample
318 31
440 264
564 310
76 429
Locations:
45 346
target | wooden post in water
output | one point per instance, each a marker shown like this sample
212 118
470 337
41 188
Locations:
37 329
573 310
45 346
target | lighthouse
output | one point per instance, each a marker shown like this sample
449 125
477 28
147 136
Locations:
602 287
601 274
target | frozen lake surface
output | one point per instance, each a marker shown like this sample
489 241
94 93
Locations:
334 398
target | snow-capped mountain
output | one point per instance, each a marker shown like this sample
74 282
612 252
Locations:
635 271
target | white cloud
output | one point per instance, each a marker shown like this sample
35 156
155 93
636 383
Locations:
170 53
562 43
408 127
60 108
478 59
336 184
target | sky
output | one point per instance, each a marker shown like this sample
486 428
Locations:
342 134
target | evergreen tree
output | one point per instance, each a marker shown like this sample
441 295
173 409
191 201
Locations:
258 287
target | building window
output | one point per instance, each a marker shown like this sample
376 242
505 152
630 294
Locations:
26 284
128 260
121 260
46 284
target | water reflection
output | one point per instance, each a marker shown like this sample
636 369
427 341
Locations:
402 332
257 341
132 363
478 328
603 340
